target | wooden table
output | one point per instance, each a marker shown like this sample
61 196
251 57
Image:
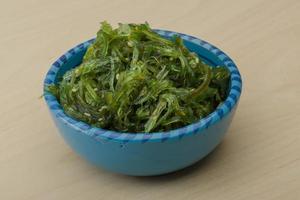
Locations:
258 159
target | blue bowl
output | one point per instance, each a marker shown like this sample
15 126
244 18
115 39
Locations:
146 154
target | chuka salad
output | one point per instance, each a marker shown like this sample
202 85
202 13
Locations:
133 80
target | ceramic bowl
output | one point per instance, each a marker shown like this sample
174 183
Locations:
146 154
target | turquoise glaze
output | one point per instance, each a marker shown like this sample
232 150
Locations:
146 154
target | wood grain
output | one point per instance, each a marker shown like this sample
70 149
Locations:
260 156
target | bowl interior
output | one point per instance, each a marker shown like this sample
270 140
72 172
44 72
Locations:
209 54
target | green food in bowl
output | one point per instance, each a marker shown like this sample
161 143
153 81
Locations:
133 80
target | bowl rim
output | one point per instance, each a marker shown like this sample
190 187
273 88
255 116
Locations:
125 137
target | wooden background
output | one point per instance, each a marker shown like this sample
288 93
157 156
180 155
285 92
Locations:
260 156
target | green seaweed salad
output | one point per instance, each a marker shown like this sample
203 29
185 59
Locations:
133 80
